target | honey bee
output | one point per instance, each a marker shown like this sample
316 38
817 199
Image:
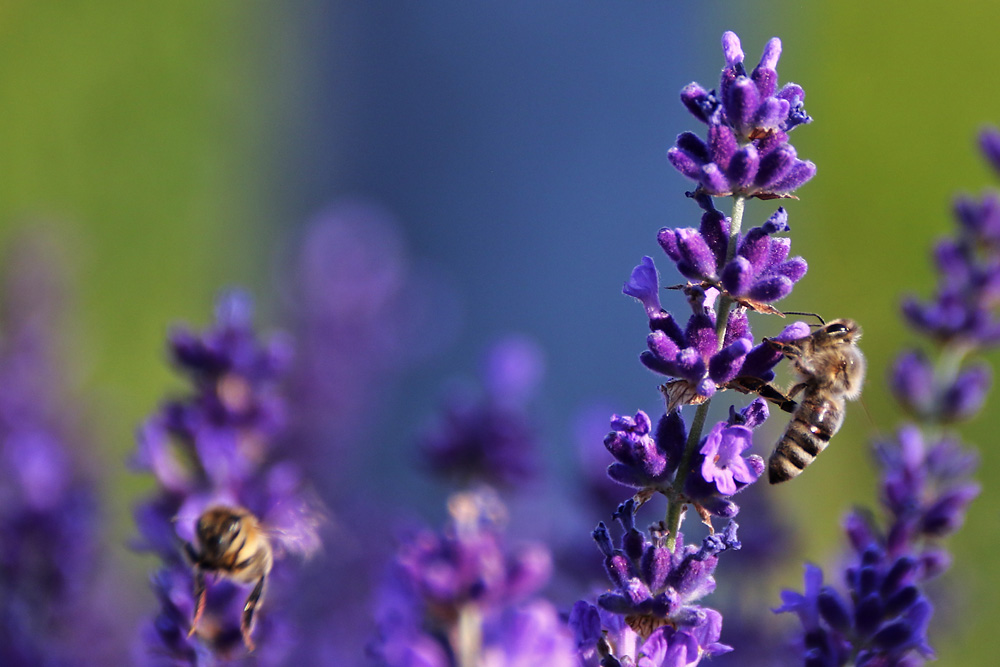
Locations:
832 370
231 543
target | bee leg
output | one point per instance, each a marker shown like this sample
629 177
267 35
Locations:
791 349
796 389
199 599
246 623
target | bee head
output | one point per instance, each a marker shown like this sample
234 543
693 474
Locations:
842 330
218 528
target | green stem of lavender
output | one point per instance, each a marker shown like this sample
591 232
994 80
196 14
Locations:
675 500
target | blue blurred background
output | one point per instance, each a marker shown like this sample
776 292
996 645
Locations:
181 148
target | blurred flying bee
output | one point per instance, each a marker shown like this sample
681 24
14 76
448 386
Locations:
832 370
231 543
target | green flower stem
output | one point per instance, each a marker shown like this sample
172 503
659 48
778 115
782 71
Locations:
675 500
676 504
725 303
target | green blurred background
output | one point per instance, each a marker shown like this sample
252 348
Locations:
150 134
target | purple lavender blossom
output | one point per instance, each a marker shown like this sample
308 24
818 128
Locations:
656 585
695 356
648 462
215 447
490 437
657 578
747 152
459 597
645 462
605 640
759 273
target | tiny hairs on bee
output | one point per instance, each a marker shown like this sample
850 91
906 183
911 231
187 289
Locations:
832 370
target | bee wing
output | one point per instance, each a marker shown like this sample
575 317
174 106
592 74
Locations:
294 525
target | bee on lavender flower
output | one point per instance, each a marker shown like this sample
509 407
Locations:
231 543
832 370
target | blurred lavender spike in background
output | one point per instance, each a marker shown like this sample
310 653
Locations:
363 314
489 435
451 596
925 485
215 445
55 604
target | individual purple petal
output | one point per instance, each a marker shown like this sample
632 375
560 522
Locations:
725 365
722 145
731 48
947 514
771 289
912 382
743 167
769 56
775 166
724 466
701 335
644 285
966 395
740 104
800 173
713 180
698 260
700 102
794 269
661 345
715 230
737 276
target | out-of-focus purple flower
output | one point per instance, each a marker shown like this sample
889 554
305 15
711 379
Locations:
461 592
57 607
881 621
989 144
747 151
215 446
925 487
362 312
963 311
491 437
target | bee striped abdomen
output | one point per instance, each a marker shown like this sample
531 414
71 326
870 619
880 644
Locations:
815 421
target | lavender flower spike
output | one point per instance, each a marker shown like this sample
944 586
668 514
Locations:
214 447
747 153
443 584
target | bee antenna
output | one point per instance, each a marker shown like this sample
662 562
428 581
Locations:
822 322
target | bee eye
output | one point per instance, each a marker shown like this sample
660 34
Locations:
837 329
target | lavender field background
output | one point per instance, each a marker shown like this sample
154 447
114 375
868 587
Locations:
503 168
